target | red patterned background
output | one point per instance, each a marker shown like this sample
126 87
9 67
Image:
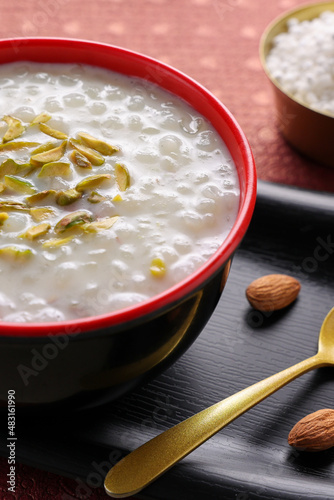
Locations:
215 42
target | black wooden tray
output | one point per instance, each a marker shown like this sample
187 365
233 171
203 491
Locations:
292 232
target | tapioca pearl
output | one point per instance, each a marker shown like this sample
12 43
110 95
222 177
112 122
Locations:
169 164
19 317
190 125
41 77
119 269
127 252
229 184
52 105
151 131
16 223
125 299
225 170
207 141
67 81
66 273
31 299
182 243
114 93
206 206
49 314
212 191
32 90
167 253
184 188
111 124
24 113
74 100
185 267
208 247
93 92
135 123
148 155
169 144
169 122
6 304
192 220
136 103
97 108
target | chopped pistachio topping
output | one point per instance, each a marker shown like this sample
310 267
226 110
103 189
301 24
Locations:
92 182
101 146
52 132
117 198
41 213
13 205
48 156
3 217
67 197
93 156
158 267
44 147
79 159
122 176
15 145
73 219
41 118
19 185
14 130
100 224
95 197
57 242
55 169
40 196
14 253
36 231
10 167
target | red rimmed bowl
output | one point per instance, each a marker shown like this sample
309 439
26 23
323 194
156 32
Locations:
96 359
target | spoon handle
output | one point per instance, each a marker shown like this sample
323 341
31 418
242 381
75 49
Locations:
145 464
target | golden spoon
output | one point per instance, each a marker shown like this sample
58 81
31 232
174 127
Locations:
145 464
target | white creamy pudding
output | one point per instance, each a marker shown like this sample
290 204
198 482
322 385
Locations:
112 191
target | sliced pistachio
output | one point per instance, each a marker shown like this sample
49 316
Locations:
122 176
41 118
11 167
42 148
19 185
57 242
14 253
67 197
14 130
101 146
92 182
3 217
55 169
93 156
100 225
95 197
15 145
158 267
40 196
36 231
2 187
73 219
79 159
13 205
41 213
49 156
117 198
52 132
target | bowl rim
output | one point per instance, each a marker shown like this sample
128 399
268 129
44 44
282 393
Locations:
191 283
266 38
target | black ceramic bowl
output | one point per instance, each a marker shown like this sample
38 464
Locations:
96 359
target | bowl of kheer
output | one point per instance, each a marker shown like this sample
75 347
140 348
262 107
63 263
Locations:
126 188
296 51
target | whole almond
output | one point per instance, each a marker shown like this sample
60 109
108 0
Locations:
315 432
272 292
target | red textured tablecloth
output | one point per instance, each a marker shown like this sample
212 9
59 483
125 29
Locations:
214 41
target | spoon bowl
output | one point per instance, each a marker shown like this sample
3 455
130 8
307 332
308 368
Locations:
145 464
